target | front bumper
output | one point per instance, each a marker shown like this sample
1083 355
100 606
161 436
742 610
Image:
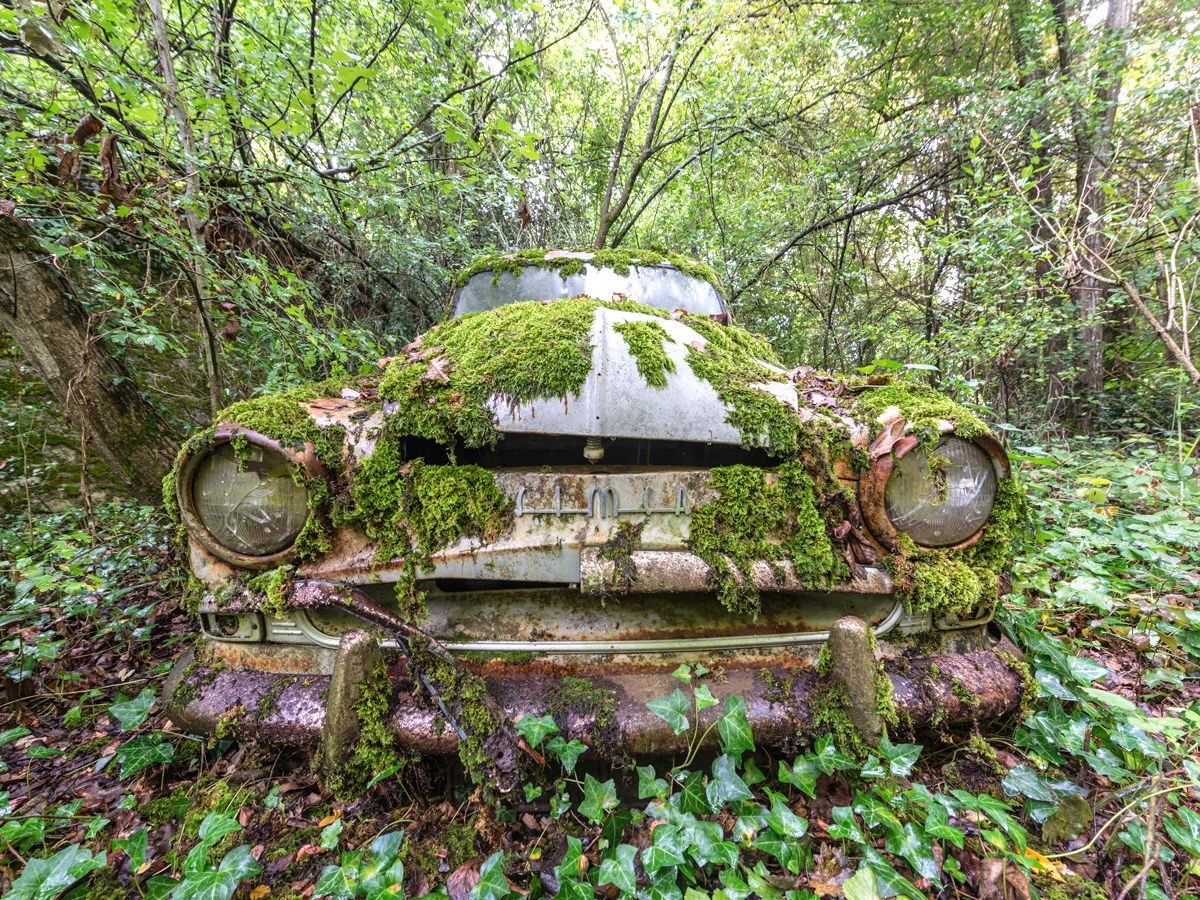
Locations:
214 692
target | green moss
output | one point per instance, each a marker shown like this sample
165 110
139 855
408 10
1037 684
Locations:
508 657
522 352
375 750
1029 686
284 417
824 660
1009 515
193 594
463 693
645 341
582 697
964 693
829 714
620 261
984 755
618 550
922 406
940 581
219 797
449 848
411 510
759 516
275 587
731 361
781 690
885 700
519 351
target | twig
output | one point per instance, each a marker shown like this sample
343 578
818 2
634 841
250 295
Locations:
1150 851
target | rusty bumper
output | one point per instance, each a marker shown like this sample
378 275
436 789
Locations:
604 709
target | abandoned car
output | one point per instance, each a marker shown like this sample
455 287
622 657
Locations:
582 478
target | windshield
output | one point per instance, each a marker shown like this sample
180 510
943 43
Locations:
660 286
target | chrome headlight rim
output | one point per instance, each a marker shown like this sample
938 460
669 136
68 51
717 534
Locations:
872 487
305 459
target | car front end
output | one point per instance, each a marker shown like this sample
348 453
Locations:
564 494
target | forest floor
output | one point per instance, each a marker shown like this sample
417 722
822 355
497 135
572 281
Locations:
1093 794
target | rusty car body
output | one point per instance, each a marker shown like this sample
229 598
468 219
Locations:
585 582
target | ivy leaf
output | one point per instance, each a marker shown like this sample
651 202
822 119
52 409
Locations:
385 847
43 879
783 821
216 825
210 884
889 882
330 834
132 713
144 751
568 752
937 824
901 757
1184 829
704 697
649 784
134 847
568 871
619 870
692 797
759 880
734 727
803 774
672 709
598 798
916 849
664 851
338 882
492 883
725 785
861 885
751 773
829 758
875 812
873 768
735 885
845 826
239 863
535 730
1022 781
683 672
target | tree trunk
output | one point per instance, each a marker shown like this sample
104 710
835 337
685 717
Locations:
55 333
198 263
1092 166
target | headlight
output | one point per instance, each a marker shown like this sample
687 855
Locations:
249 502
944 496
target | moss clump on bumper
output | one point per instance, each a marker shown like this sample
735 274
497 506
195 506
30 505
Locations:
375 749
759 516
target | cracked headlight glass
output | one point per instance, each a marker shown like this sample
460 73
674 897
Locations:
943 496
249 501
